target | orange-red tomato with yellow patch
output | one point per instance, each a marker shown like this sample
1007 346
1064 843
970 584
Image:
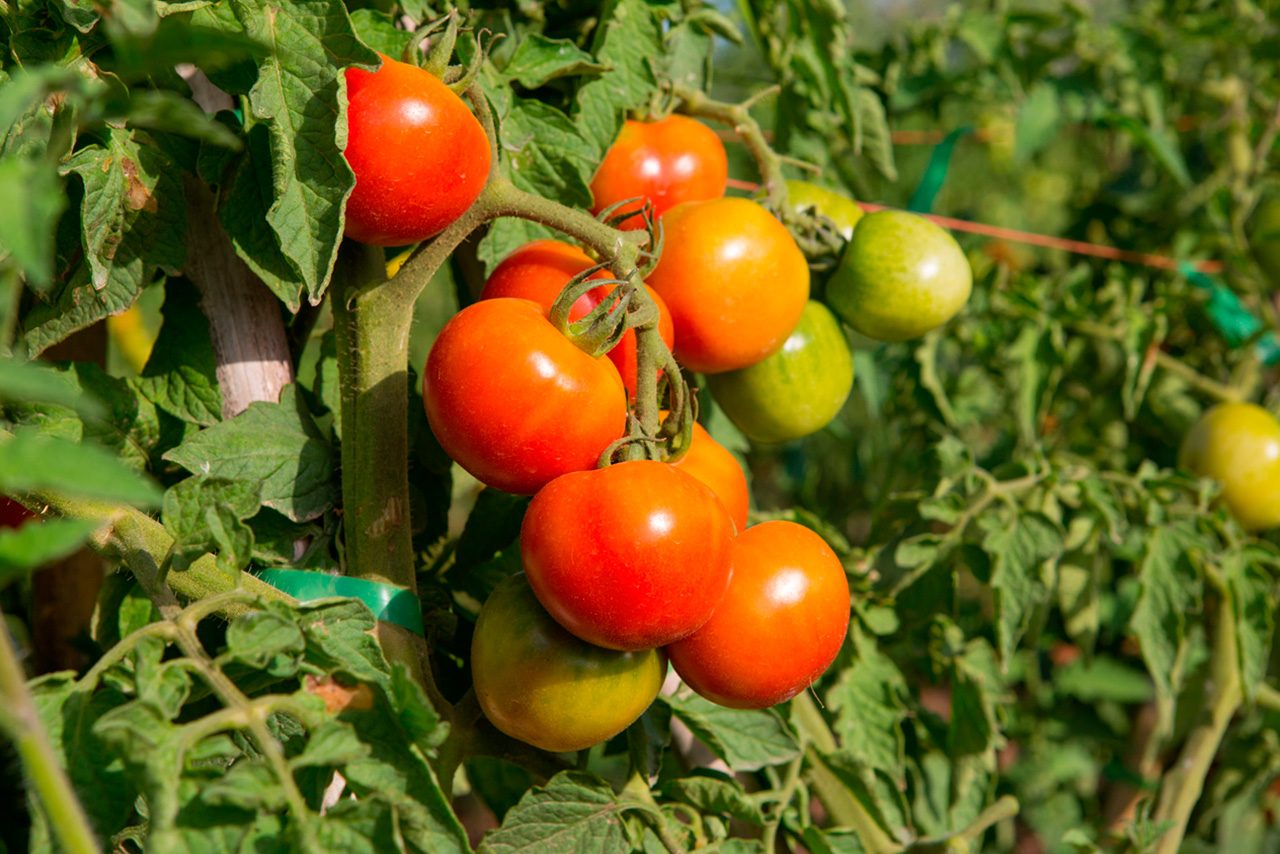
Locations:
779 625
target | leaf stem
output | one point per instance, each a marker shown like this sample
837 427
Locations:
738 116
52 787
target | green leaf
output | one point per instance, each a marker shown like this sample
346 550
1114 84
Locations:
378 30
275 444
37 382
30 462
712 791
266 641
538 60
1170 588
576 813
1160 144
1253 602
1101 679
547 153
1039 118
180 377
746 740
299 97
36 544
626 41
648 738
499 783
1017 548
206 514
868 701
29 217
875 140
977 691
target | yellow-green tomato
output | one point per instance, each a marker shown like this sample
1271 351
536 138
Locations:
841 210
797 390
900 277
544 686
1238 445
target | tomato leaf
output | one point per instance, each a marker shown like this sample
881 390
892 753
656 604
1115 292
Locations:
27 222
206 514
538 60
33 461
713 791
574 812
180 376
36 544
1017 546
746 740
868 701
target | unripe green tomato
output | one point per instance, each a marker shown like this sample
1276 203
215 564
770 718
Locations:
797 390
1238 445
1264 239
540 684
841 210
900 277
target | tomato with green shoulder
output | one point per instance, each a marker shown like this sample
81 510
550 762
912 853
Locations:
843 211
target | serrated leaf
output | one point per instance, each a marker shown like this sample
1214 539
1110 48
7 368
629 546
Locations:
28 219
299 97
36 544
1253 603
1170 587
710 791
378 30
747 740
576 813
180 377
977 690
30 462
546 153
626 41
867 700
206 514
876 139
266 641
275 444
1017 548
538 60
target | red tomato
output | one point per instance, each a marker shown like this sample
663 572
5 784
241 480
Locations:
734 280
514 402
539 270
13 514
420 157
676 160
631 556
713 464
779 626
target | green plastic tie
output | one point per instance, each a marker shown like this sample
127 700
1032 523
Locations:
1236 323
936 173
389 603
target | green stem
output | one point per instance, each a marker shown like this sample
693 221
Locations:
1184 782
1267 697
18 716
789 785
696 103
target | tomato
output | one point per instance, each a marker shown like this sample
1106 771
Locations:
675 160
540 684
713 464
779 626
13 514
797 390
420 157
841 210
900 276
631 556
514 402
540 269
735 282
1238 445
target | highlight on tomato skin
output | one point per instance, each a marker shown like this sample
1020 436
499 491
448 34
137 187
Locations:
419 156
675 160
779 626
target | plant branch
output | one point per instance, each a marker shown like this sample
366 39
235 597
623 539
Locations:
19 719
1184 782
696 103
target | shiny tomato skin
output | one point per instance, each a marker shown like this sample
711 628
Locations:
714 465
540 269
420 157
734 280
514 402
1238 445
796 391
675 160
540 684
631 556
779 626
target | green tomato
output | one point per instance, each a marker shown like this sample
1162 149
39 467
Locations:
1264 239
1238 445
900 277
544 686
797 390
841 210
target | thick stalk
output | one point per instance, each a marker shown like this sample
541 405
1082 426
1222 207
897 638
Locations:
19 719
1184 782
696 103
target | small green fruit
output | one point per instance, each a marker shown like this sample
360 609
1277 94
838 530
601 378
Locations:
840 209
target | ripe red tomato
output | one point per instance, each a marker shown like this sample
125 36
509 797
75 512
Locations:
514 402
675 160
540 684
734 280
420 157
631 556
713 464
540 269
779 626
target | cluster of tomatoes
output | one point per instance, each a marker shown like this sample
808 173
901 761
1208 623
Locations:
636 564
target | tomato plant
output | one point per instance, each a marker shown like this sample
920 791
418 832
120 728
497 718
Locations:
1238 445
419 155
514 401
795 391
841 210
734 280
899 277
674 160
540 684
779 626
632 556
